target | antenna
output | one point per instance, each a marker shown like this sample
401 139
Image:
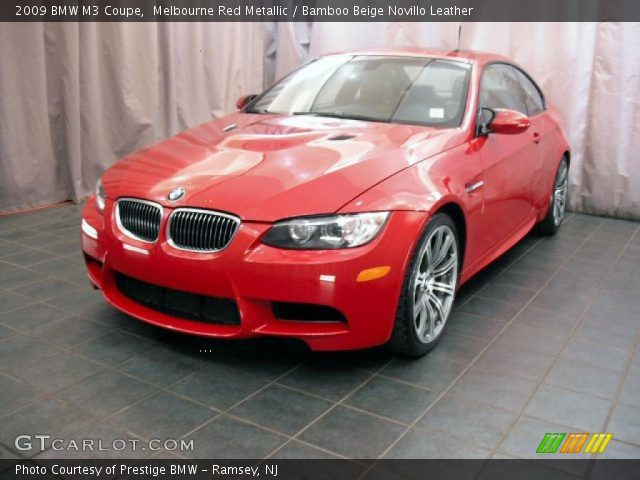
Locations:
459 35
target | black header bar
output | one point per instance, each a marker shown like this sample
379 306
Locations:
319 10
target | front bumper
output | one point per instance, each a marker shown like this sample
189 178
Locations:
255 275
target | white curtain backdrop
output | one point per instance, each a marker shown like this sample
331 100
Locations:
75 97
591 71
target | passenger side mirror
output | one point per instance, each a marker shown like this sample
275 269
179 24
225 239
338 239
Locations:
509 122
243 100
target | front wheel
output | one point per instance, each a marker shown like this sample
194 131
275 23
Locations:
428 290
558 201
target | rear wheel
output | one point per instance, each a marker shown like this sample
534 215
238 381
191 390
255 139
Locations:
558 202
428 290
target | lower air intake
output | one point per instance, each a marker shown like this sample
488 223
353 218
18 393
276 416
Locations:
189 306
306 312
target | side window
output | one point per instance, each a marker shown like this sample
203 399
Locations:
500 88
532 95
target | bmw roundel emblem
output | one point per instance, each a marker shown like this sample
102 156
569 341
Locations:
176 194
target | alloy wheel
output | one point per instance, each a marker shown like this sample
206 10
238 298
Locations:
434 283
560 193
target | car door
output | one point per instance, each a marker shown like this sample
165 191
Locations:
542 128
509 161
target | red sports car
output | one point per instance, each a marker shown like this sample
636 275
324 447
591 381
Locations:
343 206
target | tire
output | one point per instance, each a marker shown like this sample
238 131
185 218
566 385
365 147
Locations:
415 334
558 201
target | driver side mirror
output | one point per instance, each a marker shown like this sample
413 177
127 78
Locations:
243 100
502 121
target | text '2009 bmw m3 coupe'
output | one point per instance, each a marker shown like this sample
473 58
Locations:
344 206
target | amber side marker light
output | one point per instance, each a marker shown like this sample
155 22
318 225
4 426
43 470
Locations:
373 273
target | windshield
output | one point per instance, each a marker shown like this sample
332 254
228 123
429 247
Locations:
412 90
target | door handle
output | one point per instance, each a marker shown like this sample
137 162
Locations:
473 186
536 137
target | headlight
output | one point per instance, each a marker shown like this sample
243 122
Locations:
100 196
320 233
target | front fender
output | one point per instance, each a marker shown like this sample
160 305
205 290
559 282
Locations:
427 185
430 185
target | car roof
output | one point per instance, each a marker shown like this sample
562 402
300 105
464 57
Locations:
468 56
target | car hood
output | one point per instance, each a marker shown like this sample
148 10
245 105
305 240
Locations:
269 167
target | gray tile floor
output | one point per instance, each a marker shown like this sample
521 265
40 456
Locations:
544 340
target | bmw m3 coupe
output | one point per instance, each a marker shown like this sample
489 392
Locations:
343 206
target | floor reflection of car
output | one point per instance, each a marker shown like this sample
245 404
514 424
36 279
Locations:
343 206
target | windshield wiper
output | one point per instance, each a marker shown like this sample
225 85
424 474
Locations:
347 116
